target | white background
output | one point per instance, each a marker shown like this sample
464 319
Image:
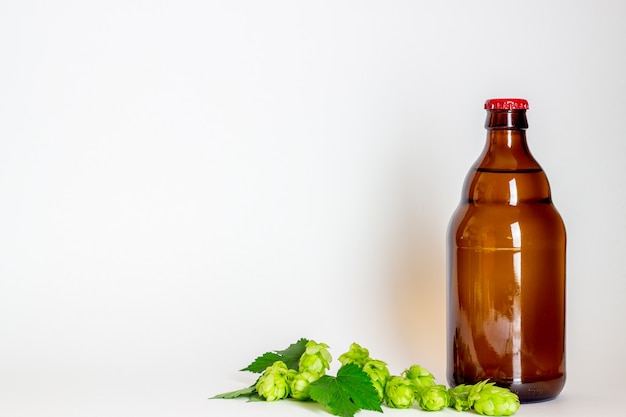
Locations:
185 185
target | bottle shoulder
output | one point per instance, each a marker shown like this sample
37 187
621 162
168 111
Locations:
506 187
506 150
495 225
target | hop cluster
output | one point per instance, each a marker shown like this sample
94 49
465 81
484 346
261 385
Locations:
433 398
399 392
299 383
293 371
278 382
416 384
315 358
356 354
420 377
484 398
379 374
376 369
273 385
459 397
489 400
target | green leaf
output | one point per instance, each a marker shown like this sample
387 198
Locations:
290 356
244 392
261 363
347 393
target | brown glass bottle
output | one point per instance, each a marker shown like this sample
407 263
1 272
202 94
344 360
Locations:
506 267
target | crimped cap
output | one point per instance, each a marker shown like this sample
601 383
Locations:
506 104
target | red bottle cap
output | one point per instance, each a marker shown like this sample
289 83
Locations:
506 104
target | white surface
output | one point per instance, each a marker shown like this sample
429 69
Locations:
185 185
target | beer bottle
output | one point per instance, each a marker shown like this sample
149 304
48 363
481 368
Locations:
506 267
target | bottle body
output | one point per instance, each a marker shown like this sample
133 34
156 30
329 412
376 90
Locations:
506 273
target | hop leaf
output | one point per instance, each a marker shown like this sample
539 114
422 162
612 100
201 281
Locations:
244 392
347 393
290 357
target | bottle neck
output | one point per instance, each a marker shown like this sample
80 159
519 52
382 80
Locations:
506 173
506 119
506 148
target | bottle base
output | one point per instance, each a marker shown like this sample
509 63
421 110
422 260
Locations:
534 392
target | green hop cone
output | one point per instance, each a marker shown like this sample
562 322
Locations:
299 383
379 374
357 355
273 384
399 392
433 398
420 377
315 358
459 397
489 400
